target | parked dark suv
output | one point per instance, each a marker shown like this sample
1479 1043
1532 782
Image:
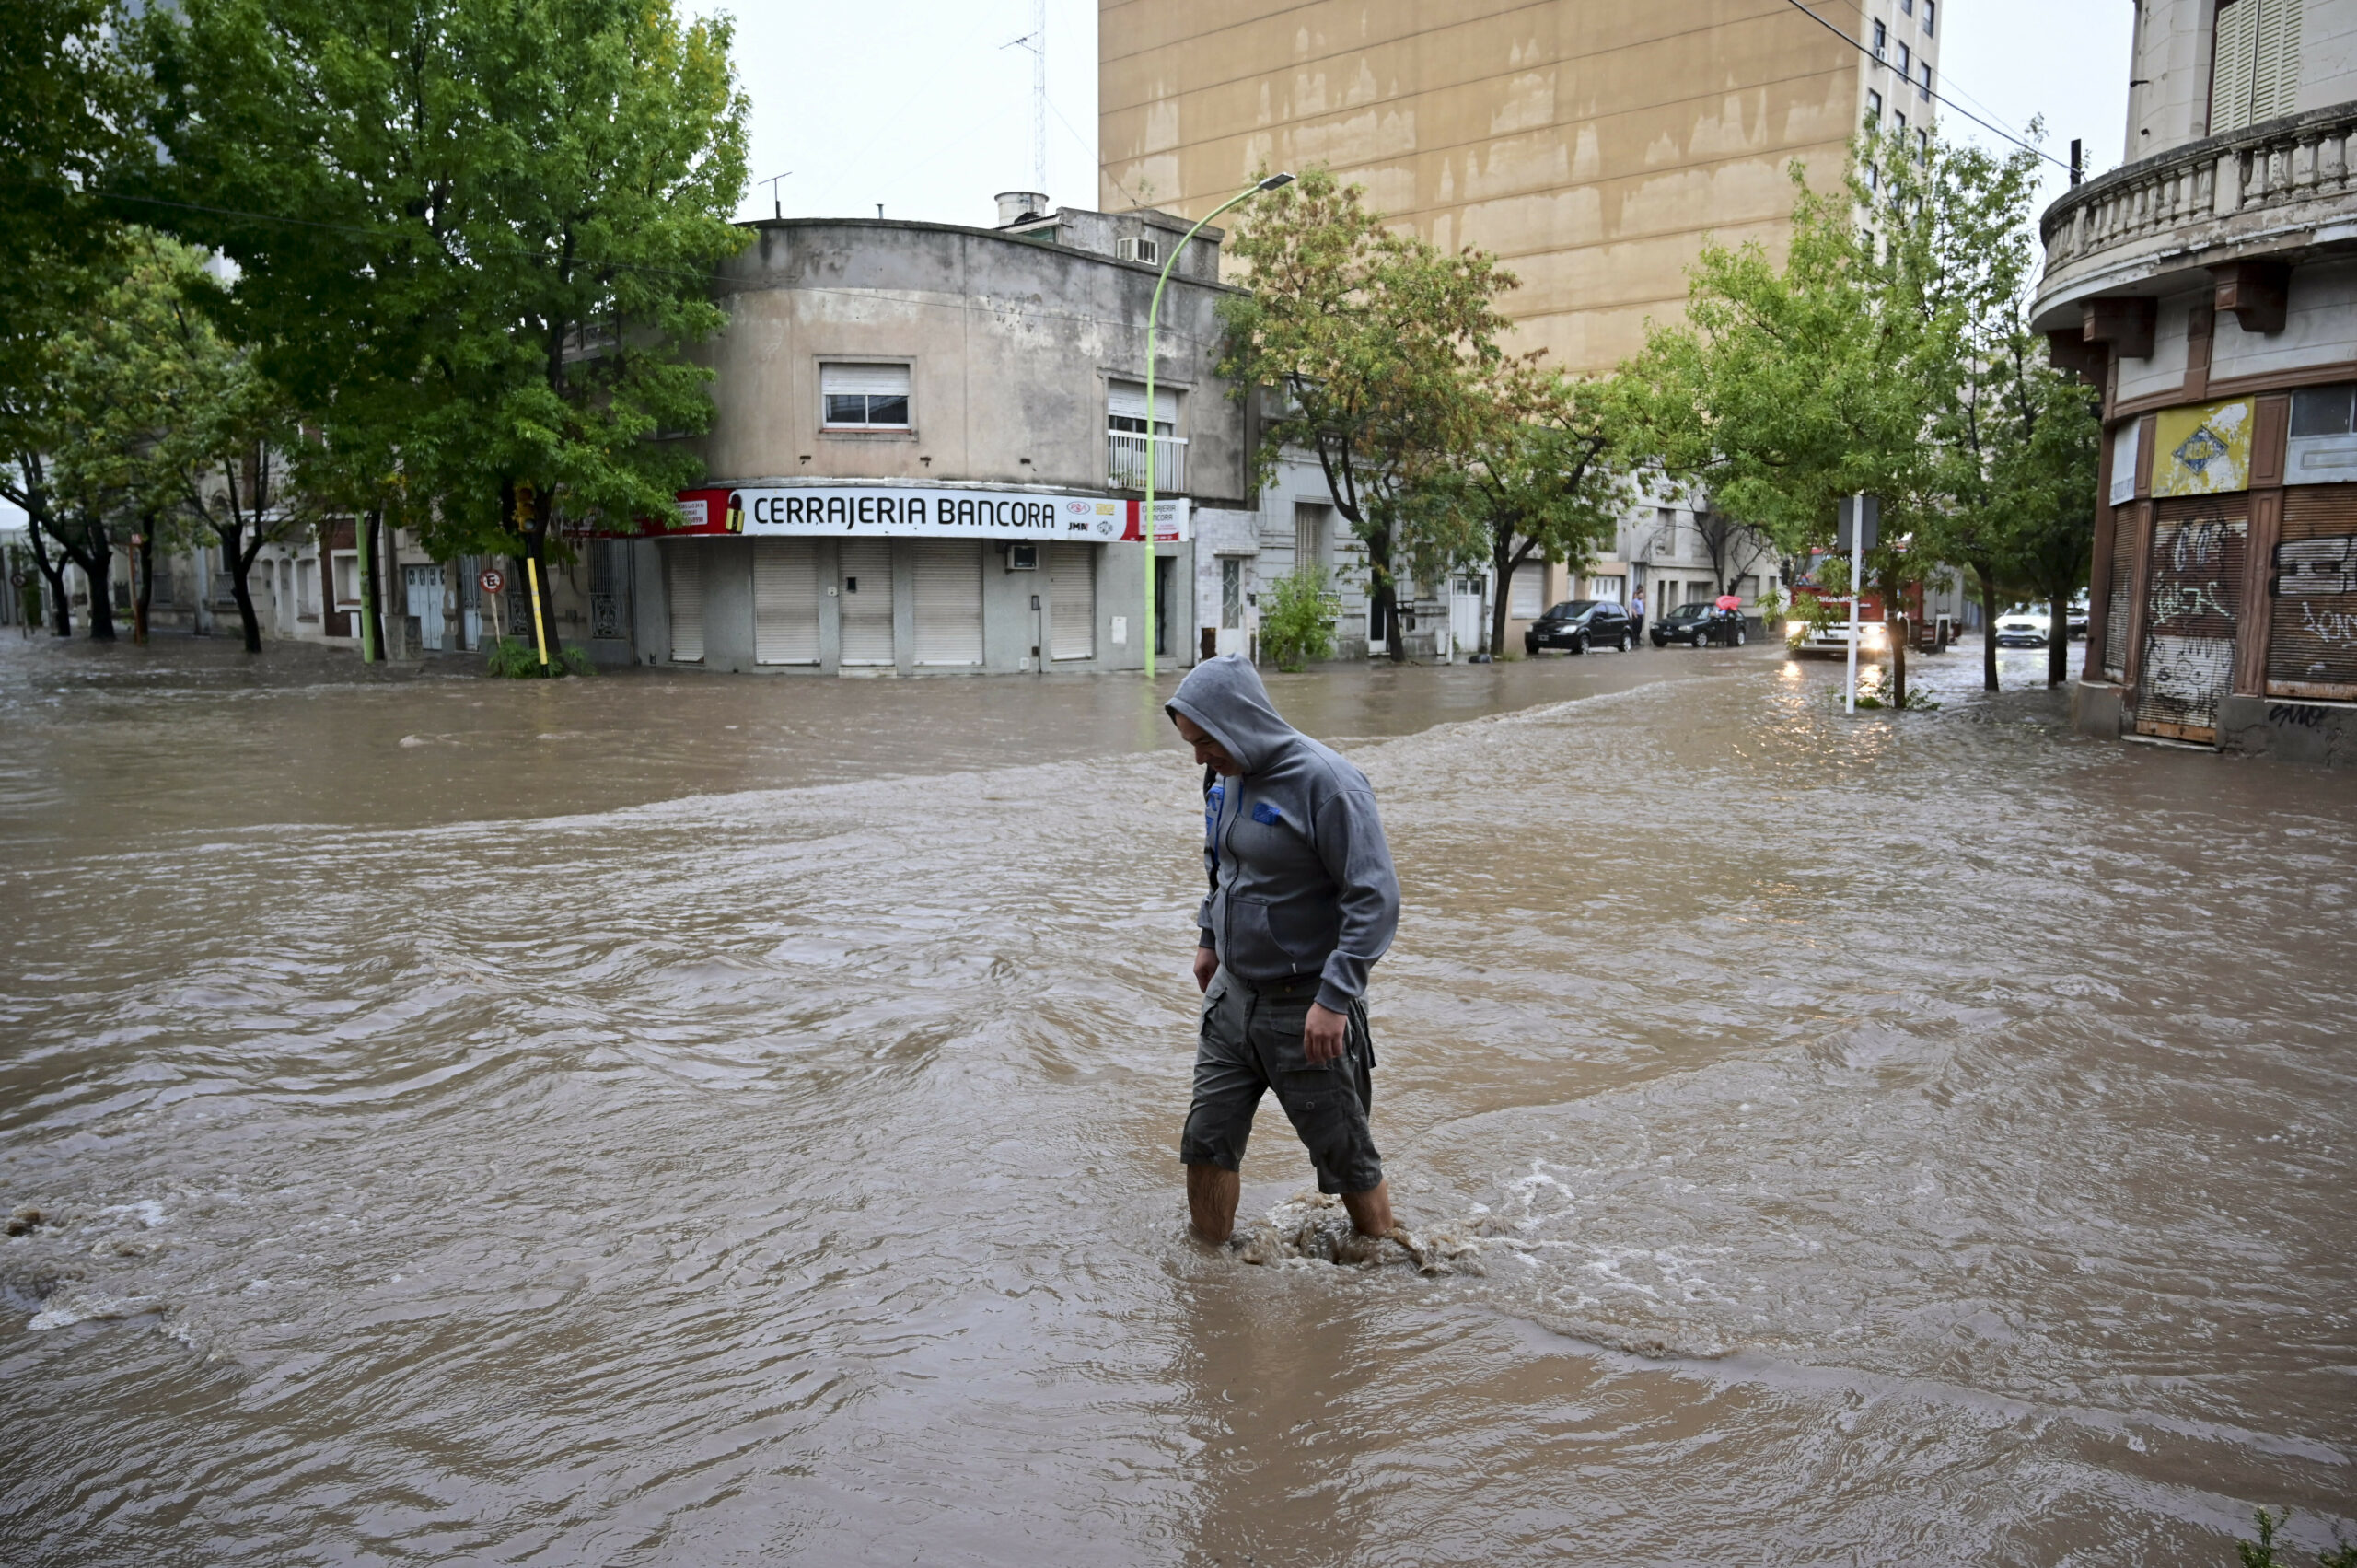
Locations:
1579 624
1699 623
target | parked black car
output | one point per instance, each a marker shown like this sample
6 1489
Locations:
1578 624
1699 623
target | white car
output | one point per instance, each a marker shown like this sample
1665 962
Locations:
2023 629
1800 637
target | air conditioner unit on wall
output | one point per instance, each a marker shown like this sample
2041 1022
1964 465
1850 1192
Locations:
1139 248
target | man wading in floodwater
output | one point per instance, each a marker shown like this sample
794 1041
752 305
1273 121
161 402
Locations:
1302 903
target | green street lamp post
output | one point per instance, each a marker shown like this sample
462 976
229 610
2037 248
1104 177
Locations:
1153 324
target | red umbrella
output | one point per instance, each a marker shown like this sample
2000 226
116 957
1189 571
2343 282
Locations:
1729 601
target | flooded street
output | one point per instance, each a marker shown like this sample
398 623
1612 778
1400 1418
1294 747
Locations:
678 1119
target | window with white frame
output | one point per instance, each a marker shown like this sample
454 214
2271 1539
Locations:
347 577
864 397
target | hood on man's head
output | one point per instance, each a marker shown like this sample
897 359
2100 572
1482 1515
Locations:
1224 696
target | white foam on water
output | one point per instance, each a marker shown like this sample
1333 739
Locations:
84 1306
1314 1227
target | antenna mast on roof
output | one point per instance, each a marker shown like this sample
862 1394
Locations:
1036 40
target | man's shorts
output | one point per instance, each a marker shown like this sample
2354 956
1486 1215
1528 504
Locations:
1252 1041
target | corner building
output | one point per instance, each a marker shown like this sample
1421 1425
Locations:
2210 287
928 454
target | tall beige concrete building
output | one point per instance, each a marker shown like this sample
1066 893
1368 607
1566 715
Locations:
1591 143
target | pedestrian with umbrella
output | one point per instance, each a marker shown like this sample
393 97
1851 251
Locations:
1727 624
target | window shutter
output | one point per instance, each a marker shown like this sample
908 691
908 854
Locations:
2275 60
1127 398
2229 75
2123 463
876 380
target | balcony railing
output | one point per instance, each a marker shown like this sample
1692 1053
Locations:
2242 185
1125 461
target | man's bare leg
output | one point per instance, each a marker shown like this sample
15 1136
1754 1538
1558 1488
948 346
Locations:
1212 1194
1370 1210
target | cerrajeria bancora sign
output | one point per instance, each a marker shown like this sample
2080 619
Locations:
904 512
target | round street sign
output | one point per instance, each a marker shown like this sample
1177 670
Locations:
18 578
492 580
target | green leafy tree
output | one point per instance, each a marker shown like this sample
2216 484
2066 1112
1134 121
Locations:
1541 482
1790 386
1369 341
2005 485
1297 623
482 241
68 103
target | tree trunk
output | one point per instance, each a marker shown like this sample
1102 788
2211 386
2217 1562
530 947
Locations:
143 588
2058 639
372 630
1898 627
1988 576
52 573
240 561
97 559
1503 561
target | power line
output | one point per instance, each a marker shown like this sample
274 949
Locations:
1936 97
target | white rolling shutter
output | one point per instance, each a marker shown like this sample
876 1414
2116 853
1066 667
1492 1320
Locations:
877 381
867 601
1071 601
1127 398
1529 600
949 601
683 589
785 602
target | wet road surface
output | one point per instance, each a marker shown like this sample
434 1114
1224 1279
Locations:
480 1122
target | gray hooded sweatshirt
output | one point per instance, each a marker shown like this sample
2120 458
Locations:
1301 879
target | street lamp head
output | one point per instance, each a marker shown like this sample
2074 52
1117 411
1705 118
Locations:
1275 180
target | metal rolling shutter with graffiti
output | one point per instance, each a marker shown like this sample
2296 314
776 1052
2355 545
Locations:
2195 582
2312 649
2124 528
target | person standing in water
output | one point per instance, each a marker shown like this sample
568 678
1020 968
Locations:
1302 903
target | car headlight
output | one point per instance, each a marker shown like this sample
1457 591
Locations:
1874 634
1795 628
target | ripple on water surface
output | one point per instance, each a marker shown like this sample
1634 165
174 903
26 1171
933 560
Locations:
1921 1139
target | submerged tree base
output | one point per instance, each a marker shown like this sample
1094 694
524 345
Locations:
514 658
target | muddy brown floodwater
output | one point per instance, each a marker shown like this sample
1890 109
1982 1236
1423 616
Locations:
661 1120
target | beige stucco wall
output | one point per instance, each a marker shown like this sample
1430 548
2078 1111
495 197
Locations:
1592 143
